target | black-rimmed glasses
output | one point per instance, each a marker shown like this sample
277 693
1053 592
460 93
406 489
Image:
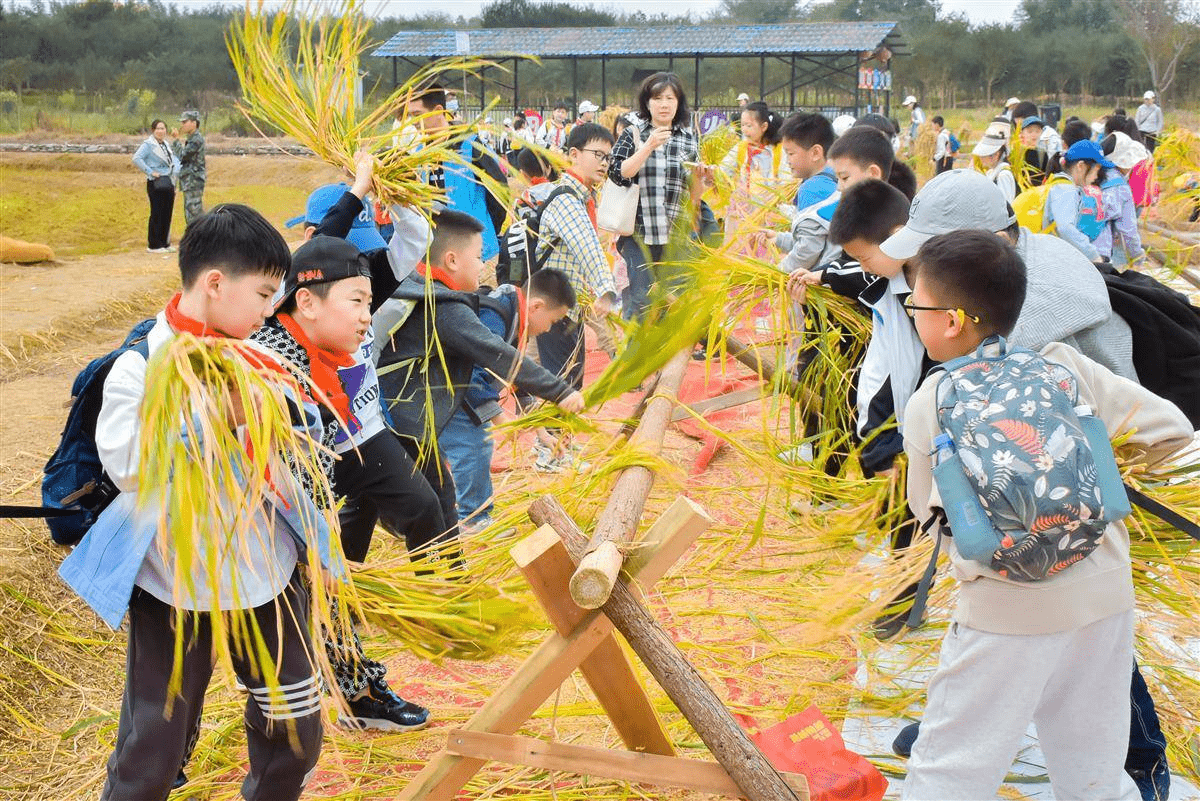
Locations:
912 309
601 156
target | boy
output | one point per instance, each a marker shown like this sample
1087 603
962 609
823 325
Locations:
943 157
1060 648
553 133
806 139
464 190
569 242
429 340
230 262
516 315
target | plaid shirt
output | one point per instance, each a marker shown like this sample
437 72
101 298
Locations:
567 228
663 178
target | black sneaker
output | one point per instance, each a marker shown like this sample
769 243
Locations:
180 780
383 710
903 744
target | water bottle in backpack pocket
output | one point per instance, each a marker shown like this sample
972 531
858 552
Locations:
1029 482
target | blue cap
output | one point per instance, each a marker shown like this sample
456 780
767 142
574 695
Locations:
1034 120
363 232
1087 150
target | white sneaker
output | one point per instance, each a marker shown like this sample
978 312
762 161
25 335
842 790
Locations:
549 462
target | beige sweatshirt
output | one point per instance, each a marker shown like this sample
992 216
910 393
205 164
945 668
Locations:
1096 587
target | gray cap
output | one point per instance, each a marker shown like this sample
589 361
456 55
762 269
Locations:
190 114
953 201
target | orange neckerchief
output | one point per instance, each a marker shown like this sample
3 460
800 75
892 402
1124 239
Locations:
323 365
182 324
438 274
591 199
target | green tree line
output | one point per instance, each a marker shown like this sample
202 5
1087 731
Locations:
1101 49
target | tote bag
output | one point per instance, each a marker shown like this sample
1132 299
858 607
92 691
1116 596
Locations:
618 207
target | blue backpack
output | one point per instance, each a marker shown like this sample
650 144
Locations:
1027 476
75 489
954 143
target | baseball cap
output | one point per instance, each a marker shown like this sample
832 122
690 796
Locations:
363 232
190 114
743 96
1012 101
989 143
908 101
1087 150
1126 153
323 260
586 105
1035 120
1149 94
842 123
953 201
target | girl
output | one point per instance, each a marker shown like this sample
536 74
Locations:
654 158
1082 165
1120 242
992 152
756 168
916 118
154 157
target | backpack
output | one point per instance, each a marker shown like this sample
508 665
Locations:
518 243
1166 336
1027 477
1030 206
75 487
1091 217
954 143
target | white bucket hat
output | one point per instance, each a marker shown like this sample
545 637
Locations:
1127 152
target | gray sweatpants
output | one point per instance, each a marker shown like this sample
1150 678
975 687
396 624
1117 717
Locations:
283 729
1073 685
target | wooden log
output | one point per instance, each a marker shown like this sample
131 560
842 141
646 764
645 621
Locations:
728 742
752 357
627 766
601 561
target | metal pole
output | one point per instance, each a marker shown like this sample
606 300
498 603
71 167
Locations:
792 86
696 84
516 86
482 91
395 74
574 85
603 82
762 77
670 63
857 84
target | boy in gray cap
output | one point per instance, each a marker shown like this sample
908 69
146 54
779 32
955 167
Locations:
192 174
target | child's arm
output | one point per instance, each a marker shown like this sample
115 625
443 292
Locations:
119 423
805 245
1127 227
459 330
482 395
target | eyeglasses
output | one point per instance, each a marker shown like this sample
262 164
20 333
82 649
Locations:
912 309
601 156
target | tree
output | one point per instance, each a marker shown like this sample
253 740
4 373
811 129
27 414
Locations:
995 48
550 14
1162 30
911 12
760 12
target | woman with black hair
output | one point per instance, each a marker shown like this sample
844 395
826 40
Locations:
654 151
756 167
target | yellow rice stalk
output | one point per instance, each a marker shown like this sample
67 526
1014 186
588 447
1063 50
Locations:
213 485
305 86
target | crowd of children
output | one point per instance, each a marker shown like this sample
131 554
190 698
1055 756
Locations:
407 343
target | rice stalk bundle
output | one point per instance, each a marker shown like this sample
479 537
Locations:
713 147
298 71
218 455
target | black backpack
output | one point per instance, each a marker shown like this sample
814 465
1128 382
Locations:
1166 336
75 488
518 242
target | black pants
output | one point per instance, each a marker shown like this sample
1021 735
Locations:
283 729
384 483
944 164
1151 141
162 202
561 351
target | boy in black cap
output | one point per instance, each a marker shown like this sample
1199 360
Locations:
323 318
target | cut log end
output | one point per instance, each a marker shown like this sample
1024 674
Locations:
596 575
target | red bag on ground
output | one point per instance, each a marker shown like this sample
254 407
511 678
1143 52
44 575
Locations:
808 744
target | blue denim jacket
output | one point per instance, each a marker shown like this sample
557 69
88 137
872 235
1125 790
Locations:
103 567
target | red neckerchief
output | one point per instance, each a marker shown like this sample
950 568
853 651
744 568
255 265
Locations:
438 274
323 365
522 317
591 199
182 324
538 179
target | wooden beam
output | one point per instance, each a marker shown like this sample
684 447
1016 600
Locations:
756 779
554 660
601 561
727 401
544 561
627 766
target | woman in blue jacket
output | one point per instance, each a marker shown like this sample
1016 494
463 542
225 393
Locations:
155 158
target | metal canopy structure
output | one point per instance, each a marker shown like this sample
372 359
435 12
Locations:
815 51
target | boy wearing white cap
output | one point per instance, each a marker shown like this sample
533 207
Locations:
1149 119
992 150
587 112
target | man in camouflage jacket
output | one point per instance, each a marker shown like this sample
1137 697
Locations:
190 152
